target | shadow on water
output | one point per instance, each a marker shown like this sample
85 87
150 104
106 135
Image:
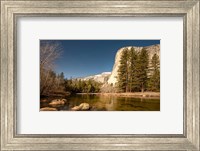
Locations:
107 103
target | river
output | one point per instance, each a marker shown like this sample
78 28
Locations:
108 103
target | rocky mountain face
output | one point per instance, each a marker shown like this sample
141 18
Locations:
111 77
151 51
103 77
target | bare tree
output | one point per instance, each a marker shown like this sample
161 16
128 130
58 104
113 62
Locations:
49 52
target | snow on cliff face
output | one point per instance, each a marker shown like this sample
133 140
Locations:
103 77
111 77
151 51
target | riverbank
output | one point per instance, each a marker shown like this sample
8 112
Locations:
56 94
129 94
147 101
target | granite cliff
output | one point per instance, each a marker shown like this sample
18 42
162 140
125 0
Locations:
151 51
111 77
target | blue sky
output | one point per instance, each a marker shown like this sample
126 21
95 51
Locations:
82 58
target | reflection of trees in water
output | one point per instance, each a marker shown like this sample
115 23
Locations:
106 102
113 103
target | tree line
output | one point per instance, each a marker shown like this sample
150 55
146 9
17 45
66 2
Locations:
137 73
57 85
52 83
82 86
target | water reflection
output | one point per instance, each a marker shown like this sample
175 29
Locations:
108 103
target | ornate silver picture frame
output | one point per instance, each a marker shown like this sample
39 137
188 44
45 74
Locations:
12 9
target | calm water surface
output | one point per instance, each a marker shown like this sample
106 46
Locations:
109 103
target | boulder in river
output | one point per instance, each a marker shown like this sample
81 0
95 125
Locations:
81 107
58 102
48 109
44 101
75 108
84 106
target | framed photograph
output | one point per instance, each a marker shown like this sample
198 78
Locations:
100 75
127 79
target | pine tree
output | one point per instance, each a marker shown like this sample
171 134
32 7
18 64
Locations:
133 81
123 71
142 68
154 83
62 76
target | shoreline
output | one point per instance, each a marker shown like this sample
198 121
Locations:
143 95
128 94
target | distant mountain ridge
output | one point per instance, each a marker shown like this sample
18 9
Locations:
103 77
111 77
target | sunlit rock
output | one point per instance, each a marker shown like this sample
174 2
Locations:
84 106
48 109
58 102
44 101
75 108
81 107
